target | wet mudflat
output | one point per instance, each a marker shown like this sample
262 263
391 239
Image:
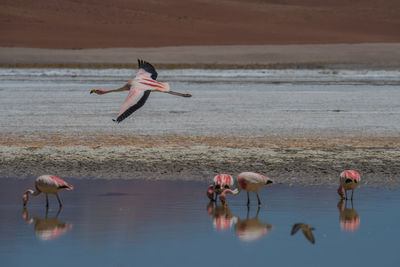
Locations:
171 223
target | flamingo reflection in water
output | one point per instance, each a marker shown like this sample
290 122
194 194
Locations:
349 218
247 230
47 228
306 229
222 217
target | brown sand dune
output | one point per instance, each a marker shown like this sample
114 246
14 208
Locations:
74 24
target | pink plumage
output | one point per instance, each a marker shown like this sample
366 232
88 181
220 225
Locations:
223 181
61 183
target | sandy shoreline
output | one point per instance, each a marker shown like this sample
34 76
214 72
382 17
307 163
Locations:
351 56
301 161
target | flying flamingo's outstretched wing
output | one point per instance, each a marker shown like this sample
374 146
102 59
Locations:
133 102
137 96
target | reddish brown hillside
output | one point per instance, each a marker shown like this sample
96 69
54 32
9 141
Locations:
144 23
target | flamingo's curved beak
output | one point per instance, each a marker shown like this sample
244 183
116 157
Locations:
93 91
25 199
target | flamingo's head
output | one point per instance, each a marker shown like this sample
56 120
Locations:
222 197
340 191
269 181
25 198
210 192
97 91
219 188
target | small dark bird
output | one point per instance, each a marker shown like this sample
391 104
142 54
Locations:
306 229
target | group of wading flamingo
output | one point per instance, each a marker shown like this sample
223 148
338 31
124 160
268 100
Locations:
248 181
251 181
222 185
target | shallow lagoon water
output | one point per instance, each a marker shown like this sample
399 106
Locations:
170 223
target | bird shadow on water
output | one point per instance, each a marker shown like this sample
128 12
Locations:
246 230
47 228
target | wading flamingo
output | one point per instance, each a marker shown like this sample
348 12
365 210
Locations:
349 180
139 90
306 229
47 184
251 181
220 183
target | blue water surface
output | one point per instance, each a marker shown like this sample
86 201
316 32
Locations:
171 223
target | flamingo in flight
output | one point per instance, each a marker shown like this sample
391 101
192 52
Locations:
47 184
139 90
249 181
220 183
349 180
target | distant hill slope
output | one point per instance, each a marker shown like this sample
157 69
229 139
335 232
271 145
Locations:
74 24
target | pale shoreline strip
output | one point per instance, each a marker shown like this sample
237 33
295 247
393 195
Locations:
291 161
354 56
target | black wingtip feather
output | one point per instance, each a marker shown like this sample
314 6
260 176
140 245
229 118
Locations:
148 67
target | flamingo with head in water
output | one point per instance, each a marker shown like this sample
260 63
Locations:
249 181
349 180
139 90
220 183
47 184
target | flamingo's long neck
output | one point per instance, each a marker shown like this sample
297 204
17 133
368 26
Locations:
33 193
210 192
340 191
25 197
232 192
222 197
